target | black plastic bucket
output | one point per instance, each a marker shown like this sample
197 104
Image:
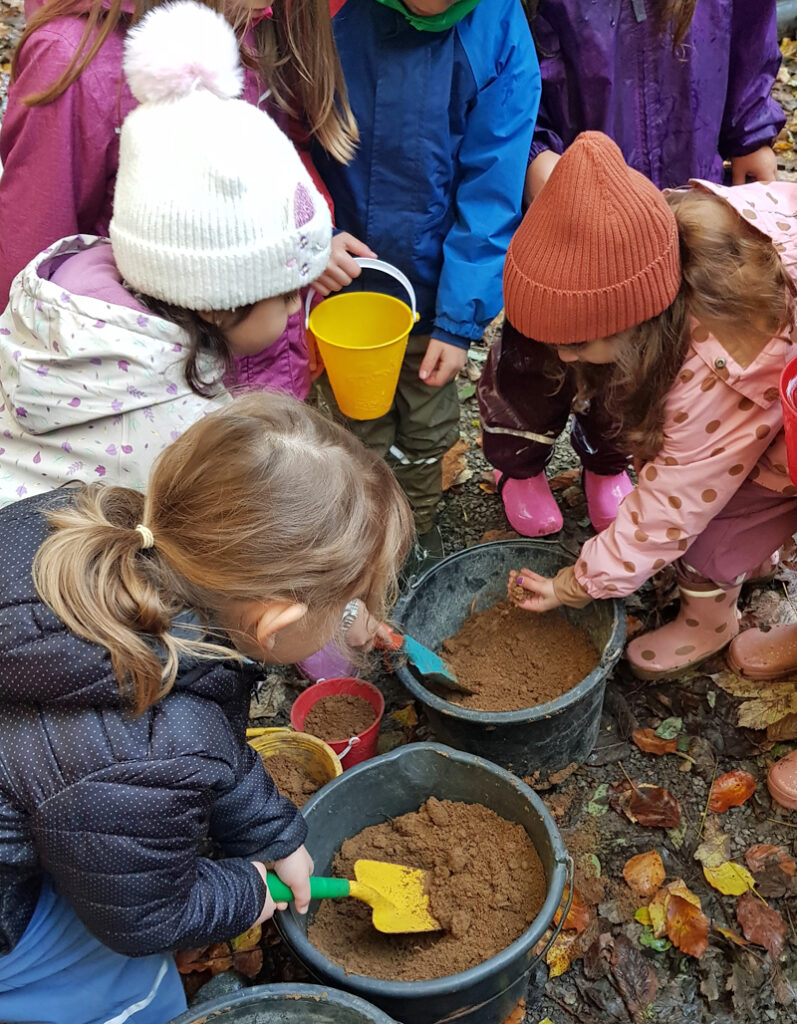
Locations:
544 738
395 784
285 1004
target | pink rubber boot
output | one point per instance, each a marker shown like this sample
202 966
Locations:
604 494
759 655
529 505
707 620
782 781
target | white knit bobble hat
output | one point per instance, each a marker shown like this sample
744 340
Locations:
213 206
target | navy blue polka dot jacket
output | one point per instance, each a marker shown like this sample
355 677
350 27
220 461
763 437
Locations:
115 808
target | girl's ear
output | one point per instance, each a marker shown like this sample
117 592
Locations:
207 315
276 615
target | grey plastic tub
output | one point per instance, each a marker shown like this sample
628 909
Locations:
395 784
285 1004
544 738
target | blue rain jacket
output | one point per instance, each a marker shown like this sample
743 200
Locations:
446 122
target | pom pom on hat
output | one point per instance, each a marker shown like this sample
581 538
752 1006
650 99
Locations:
178 48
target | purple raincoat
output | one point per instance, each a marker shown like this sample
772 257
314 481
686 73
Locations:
59 171
605 67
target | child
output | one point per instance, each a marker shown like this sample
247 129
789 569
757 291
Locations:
59 144
109 351
127 622
679 86
445 97
680 311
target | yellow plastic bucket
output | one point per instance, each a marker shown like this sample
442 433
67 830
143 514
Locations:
318 761
362 338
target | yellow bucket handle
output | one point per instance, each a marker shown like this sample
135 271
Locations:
369 264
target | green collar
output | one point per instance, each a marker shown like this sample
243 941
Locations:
433 22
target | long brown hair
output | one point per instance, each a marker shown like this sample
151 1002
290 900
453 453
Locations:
296 57
263 500
734 284
673 16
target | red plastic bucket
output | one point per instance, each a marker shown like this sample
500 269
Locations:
351 749
788 398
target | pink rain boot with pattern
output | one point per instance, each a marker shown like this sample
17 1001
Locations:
604 494
759 655
706 622
529 505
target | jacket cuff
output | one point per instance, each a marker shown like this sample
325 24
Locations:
450 338
568 590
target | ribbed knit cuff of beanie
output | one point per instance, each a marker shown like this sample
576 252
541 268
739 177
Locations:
596 253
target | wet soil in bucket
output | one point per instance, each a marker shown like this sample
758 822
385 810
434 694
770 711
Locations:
292 778
515 659
339 717
487 886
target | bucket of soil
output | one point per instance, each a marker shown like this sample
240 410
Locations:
540 680
498 869
299 764
345 713
285 1004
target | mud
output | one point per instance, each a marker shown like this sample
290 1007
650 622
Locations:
514 659
487 885
292 779
339 717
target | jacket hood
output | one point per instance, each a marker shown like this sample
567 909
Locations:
69 359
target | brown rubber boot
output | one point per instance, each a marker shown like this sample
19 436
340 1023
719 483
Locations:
707 620
756 654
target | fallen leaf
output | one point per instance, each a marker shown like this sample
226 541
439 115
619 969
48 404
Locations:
730 878
562 481
657 909
490 535
784 729
761 855
248 940
766 711
562 953
634 977
643 916
687 926
730 790
649 940
215 958
632 626
454 463
760 924
715 848
248 962
647 740
577 917
645 873
518 1014
731 936
670 728
737 686
645 804
406 717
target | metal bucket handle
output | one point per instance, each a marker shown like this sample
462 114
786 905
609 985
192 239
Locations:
370 264
352 742
571 887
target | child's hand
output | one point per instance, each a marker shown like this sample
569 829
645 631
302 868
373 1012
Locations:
442 362
542 597
342 269
361 633
295 870
760 165
269 907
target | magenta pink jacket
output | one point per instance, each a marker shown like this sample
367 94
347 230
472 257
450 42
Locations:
724 424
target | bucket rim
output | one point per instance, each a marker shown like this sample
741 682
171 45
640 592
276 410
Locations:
283 990
363 348
368 986
611 654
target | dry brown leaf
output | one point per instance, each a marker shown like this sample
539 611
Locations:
687 926
562 481
768 708
490 535
761 925
784 729
730 790
454 463
488 484
647 740
716 846
762 855
645 873
644 804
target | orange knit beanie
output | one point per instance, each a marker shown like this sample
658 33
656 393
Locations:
596 253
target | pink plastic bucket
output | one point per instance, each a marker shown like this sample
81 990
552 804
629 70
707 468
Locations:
788 398
350 749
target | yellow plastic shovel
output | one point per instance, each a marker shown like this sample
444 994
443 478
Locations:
397 895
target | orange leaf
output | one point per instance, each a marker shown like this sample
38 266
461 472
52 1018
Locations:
761 925
565 949
731 790
577 917
657 909
687 926
562 481
647 740
645 873
731 936
762 855
644 804
518 1015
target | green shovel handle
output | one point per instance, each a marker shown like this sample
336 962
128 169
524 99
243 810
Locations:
320 888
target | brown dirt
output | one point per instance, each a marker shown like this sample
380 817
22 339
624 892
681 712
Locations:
487 885
292 779
339 717
514 659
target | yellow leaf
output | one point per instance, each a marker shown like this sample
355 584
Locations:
768 708
658 905
248 940
730 878
731 936
546 1020
643 916
559 955
406 717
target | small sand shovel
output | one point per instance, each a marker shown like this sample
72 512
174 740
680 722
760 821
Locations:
427 664
397 895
